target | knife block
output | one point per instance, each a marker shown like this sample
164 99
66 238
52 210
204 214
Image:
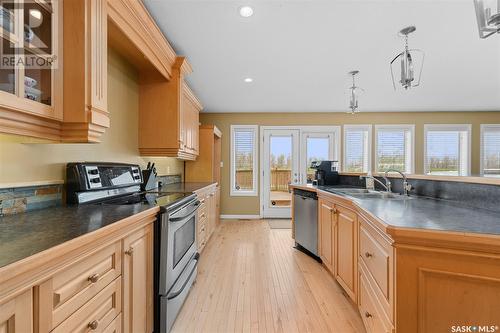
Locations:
149 180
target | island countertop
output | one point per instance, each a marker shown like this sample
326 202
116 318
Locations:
421 213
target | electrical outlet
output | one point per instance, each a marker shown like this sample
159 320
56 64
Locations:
221 164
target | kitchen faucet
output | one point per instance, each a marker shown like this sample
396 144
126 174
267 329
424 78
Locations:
387 187
406 186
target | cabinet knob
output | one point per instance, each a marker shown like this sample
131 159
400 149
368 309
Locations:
93 324
93 278
368 254
130 251
333 210
368 314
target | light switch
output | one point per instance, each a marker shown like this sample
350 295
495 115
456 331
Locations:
221 164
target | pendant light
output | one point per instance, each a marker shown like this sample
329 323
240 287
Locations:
353 93
488 17
410 59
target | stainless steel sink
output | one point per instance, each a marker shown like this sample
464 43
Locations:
363 193
380 195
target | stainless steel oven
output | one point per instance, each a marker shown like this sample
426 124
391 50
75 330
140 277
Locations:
178 258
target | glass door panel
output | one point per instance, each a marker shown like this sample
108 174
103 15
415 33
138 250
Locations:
316 146
281 152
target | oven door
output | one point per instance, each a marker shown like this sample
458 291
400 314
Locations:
178 243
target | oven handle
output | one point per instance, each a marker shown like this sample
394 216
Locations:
178 292
177 219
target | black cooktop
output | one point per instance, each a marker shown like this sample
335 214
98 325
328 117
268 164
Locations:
149 198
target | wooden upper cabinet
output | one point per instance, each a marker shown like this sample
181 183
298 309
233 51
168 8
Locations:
31 73
206 168
86 69
169 114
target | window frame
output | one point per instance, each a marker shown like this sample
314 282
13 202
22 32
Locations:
449 128
347 128
394 127
244 193
484 128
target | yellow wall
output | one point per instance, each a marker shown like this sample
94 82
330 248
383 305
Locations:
250 205
25 159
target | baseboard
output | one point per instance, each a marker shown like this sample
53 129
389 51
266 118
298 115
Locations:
240 217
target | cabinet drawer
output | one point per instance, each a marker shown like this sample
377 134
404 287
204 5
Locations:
70 288
97 314
371 311
115 326
377 257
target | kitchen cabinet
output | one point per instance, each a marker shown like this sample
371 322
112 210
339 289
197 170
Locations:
207 215
169 116
68 47
138 281
16 314
346 251
101 281
31 94
327 230
207 167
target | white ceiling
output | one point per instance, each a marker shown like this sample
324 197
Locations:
299 52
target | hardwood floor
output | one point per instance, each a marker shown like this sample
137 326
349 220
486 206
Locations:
250 279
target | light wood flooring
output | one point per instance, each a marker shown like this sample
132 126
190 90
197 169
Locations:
250 279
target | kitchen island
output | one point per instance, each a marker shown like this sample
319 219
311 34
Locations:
411 264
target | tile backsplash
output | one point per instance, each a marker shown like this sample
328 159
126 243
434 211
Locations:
23 199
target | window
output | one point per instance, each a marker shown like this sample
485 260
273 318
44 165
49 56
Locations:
394 148
244 160
447 150
357 148
490 151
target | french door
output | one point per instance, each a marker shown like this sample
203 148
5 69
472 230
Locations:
286 156
280 168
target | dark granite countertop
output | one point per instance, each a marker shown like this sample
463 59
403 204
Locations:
186 187
426 213
26 234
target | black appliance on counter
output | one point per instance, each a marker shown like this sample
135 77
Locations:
326 172
175 255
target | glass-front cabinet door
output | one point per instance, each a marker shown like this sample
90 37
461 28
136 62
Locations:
31 57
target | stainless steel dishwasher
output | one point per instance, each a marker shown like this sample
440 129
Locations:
305 212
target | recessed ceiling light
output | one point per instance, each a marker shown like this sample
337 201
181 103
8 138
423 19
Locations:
248 80
246 11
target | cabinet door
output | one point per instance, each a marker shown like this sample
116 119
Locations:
16 314
138 281
196 131
346 259
326 234
213 211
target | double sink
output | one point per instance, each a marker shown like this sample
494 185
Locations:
362 193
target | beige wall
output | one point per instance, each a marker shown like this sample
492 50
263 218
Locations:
250 205
24 159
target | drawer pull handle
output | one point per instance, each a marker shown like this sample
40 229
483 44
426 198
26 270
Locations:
368 314
130 251
368 254
93 278
93 325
